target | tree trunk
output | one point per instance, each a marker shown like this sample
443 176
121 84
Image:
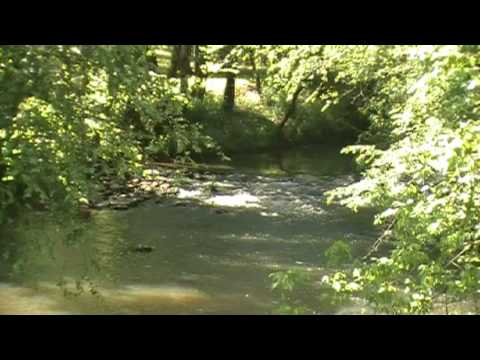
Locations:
185 53
229 94
184 84
198 60
180 65
258 81
199 87
291 108
174 61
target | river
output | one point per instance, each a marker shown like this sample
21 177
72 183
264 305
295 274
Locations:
212 250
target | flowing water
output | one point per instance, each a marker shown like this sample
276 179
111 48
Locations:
213 247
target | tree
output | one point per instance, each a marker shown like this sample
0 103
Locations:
180 64
68 110
424 182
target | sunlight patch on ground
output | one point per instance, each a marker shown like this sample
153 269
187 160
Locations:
24 301
251 97
152 295
216 86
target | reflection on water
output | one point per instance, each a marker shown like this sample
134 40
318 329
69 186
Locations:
212 255
236 200
316 161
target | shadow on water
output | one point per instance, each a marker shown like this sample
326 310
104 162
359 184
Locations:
313 160
207 259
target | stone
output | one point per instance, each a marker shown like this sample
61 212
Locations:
164 187
181 204
221 211
135 201
151 172
173 190
116 187
147 196
142 248
120 206
107 192
102 205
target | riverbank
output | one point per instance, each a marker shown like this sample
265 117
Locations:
158 182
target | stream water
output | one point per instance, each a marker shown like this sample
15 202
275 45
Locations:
212 250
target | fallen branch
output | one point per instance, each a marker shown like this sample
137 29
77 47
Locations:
212 168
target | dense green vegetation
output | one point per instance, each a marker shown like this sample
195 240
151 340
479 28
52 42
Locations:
409 114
